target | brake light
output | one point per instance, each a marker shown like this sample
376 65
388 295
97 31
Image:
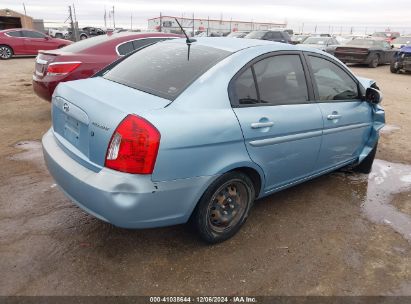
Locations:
134 146
62 68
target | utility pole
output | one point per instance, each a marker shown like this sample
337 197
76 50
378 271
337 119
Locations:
105 18
208 25
76 31
161 22
73 37
131 19
114 20
302 29
24 6
193 25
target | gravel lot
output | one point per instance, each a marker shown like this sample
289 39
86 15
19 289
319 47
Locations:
340 234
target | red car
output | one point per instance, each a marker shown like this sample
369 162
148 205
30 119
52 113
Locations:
85 58
27 42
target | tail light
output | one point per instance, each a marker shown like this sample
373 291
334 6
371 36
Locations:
133 147
62 68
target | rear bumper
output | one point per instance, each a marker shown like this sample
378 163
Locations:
125 200
44 89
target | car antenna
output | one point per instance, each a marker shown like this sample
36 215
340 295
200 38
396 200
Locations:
188 40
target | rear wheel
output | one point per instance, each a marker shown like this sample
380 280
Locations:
82 37
224 207
5 52
375 61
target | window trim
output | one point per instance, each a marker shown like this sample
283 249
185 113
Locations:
342 67
143 38
231 85
14 31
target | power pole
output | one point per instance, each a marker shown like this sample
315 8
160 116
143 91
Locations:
161 22
105 18
73 36
76 31
131 19
24 6
193 25
114 20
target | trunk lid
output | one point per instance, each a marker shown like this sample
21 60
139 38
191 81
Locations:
86 113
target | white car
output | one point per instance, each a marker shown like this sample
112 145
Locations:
401 41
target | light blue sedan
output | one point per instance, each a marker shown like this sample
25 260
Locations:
196 132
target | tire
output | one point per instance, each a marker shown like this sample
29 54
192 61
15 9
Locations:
58 35
224 207
375 61
82 37
393 68
6 52
366 165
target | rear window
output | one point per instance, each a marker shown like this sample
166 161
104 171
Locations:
82 45
163 69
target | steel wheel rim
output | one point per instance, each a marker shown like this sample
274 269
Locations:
227 206
5 52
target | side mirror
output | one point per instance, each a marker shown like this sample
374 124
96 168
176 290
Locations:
373 96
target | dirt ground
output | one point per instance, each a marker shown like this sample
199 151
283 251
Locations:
340 234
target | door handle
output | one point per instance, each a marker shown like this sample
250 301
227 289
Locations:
260 125
333 116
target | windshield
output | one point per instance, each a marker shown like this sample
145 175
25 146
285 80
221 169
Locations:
256 35
313 40
362 42
164 70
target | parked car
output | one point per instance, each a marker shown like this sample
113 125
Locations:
93 31
297 39
401 41
85 58
387 36
238 34
158 141
401 60
320 43
364 51
14 42
81 34
58 33
271 35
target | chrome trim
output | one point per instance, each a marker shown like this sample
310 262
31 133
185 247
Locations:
345 128
281 139
118 45
41 61
64 62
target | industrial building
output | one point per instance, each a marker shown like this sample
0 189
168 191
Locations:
11 19
168 24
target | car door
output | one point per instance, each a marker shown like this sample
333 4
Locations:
388 52
347 119
35 41
282 128
16 41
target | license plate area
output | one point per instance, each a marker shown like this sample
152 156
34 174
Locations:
72 130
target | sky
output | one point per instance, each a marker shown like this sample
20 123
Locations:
363 15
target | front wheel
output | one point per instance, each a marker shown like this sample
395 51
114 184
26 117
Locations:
224 207
82 37
366 165
5 52
394 67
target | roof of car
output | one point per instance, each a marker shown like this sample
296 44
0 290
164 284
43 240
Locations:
234 44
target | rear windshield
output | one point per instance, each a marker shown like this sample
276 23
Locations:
82 45
256 35
163 69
